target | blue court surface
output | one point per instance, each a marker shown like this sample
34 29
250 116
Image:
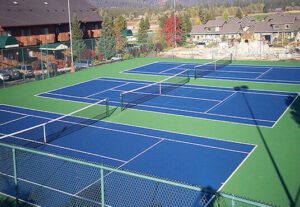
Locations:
197 161
273 74
238 105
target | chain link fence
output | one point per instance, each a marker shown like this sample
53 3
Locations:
49 60
43 179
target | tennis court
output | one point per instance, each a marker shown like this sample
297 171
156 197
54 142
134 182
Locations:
271 74
183 158
238 105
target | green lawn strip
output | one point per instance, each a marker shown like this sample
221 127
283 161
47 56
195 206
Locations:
256 178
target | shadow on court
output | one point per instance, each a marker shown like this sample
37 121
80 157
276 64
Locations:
295 109
9 202
292 202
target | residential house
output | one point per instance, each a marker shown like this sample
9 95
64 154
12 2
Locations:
277 27
232 31
273 28
34 22
210 32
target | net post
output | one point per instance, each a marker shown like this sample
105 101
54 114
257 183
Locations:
160 88
15 174
102 187
107 106
44 133
121 102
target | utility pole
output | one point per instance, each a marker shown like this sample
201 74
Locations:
175 43
71 39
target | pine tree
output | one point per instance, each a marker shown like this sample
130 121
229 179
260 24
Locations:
77 37
142 36
162 20
107 41
239 13
226 15
119 25
147 23
186 26
120 22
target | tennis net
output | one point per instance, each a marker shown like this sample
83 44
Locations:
56 128
140 95
205 69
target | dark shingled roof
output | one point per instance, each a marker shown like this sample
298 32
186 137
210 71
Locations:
232 28
262 27
281 19
198 29
44 12
215 23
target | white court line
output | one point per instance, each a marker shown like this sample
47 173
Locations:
195 87
106 90
57 94
167 113
285 111
260 93
197 112
75 84
222 88
231 175
253 80
231 90
139 66
221 102
151 136
71 85
59 114
228 71
263 73
53 189
65 148
173 96
171 68
268 66
141 153
13 120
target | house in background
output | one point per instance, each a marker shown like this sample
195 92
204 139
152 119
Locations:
273 29
209 32
34 22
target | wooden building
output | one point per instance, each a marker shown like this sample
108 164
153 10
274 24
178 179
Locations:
34 22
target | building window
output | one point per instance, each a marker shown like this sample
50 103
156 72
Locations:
217 29
276 26
287 26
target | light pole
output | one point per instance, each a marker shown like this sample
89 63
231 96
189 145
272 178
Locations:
175 43
71 40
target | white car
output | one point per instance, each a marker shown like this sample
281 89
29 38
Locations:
117 57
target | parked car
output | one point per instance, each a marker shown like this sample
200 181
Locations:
14 73
26 71
83 64
4 75
118 57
